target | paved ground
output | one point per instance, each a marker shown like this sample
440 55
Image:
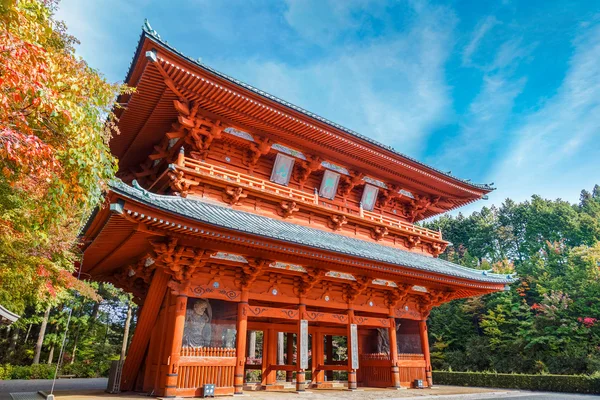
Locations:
93 389
33 385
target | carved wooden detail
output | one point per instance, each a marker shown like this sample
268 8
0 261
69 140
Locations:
233 194
306 282
437 248
398 295
135 278
379 232
388 196
347 183
181 262
200 131
356 288
337 221
432 299
418 206
257 149
287 208
179 183
303 169
412 241
251 271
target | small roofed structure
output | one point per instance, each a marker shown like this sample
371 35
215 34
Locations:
7 317
236 212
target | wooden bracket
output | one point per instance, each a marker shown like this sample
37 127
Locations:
287 208
379 232
305 168
233 194
347 183
337 221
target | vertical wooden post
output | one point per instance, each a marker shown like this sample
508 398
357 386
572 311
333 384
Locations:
329 354
289 375
242 326
319 356
177 310
272 358
394 351
300 374
143 330
351 356
265 358
425 348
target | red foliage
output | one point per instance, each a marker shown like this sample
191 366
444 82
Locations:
588 322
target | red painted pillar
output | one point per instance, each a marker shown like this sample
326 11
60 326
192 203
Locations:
318 356
394 352
425 348
176 320
143 330
240 349
272 358
265 358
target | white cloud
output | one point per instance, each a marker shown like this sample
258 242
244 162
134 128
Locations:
557 152
482 28
391 88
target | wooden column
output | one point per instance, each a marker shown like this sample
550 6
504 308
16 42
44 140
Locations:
300 374
265 358
425 348
289 375
329 354
176 318
319 358
240 349
143 330
394 351
272 358
351 357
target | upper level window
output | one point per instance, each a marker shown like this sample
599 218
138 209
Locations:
282 170
369 197
329 184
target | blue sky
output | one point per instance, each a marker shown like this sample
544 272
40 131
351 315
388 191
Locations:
495 91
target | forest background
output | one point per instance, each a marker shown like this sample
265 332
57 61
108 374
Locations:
55 123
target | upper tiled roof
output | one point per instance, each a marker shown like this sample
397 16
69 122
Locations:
258 225
148 31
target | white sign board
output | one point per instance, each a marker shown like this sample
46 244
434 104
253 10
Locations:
354 345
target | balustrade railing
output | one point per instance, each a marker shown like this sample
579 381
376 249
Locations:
227 175
201 365
207 352
375 356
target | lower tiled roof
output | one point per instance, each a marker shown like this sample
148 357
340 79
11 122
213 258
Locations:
241 221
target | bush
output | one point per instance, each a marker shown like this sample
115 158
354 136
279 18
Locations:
550 383
5 371
45 371
37 371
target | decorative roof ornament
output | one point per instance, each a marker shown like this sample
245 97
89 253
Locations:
147 28
137 186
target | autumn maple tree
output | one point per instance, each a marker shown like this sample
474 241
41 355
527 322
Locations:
55 122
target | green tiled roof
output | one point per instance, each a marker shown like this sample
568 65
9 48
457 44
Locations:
257 225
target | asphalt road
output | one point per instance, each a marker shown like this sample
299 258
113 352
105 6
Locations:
34 385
